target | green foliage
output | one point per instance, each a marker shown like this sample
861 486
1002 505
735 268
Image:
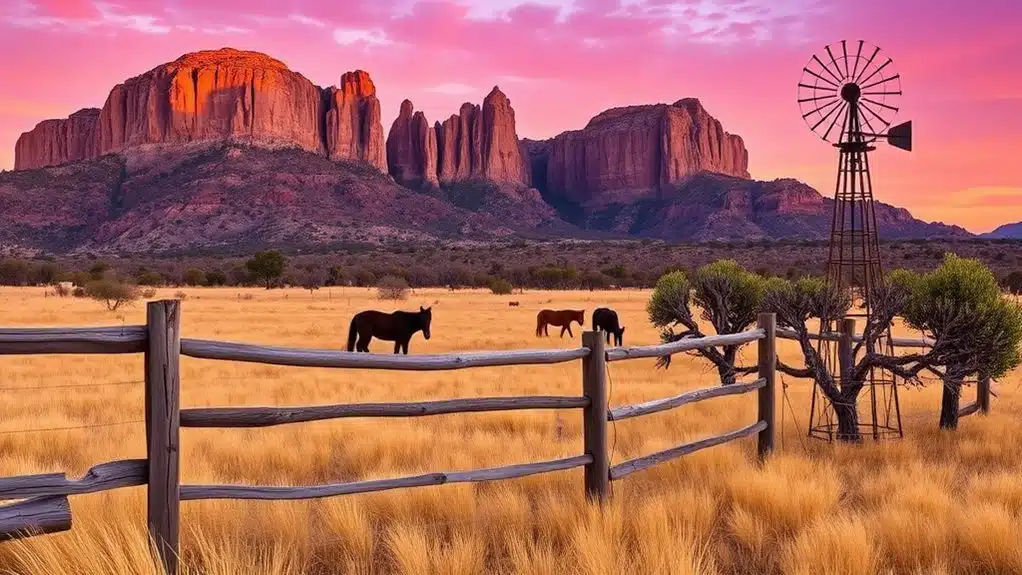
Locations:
98 270
796 302
111 292
194 277
729 296
266 267
961 306
216 278
149 278
500 286
669 300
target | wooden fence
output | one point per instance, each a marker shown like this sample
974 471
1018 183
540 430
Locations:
44 508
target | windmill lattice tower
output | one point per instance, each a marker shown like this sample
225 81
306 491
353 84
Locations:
856 93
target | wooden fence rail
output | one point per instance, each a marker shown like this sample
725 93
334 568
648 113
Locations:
44 507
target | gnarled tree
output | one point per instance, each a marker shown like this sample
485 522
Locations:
797 303
975 330
728 298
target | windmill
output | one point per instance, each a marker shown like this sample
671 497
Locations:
848 95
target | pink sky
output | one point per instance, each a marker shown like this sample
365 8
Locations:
563 61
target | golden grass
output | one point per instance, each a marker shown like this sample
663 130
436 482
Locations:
932 503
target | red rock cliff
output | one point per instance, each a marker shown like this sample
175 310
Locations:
354 127
412 149
625 153
219 95
54 142
214 95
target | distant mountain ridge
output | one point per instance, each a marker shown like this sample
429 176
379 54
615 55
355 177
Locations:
231 149
1007 231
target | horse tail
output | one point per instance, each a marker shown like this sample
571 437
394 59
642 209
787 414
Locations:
539 324
352 335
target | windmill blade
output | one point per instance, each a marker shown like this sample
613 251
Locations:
844 49
877 71
829 71
820 108
858 56
808 71
868 62
807 86
878 82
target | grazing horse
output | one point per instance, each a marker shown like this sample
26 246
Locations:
398 327
560 318
606 319
512 304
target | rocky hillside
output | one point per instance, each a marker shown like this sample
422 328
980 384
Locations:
715 207
1007 231
237 197
228 149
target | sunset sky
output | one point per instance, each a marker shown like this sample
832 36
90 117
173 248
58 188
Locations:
563 61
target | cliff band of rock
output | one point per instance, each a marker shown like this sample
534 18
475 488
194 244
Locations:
477 143
412 149
55 142
220 95
627 153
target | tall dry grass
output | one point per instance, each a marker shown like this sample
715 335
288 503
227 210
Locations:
932 503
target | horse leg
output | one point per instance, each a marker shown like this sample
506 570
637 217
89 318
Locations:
397 347
363 342
563 327
606 337
568 327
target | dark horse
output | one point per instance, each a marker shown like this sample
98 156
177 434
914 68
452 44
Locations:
398 327
606 319
560 318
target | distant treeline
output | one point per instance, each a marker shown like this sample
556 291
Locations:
536 265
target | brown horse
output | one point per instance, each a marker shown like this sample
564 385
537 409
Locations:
560 318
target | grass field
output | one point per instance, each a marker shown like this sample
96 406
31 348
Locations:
931 503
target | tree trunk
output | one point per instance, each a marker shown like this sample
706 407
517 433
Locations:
949 402
847 413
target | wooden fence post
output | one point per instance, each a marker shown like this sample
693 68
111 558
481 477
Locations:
767 394
594 386
162 417
983 394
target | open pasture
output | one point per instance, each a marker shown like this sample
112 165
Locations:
932 503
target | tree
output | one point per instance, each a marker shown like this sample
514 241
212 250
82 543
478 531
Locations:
795 304
500 286
194 277
392 288
975 331
266 267
216 278
113 293
729 298
98 270
14 272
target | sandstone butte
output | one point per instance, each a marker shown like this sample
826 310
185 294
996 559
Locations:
624 153
218 95
476 143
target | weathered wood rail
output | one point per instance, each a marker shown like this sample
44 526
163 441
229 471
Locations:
43 505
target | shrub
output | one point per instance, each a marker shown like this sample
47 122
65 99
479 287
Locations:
501 286
79 291
392 288
149 293
113 293
61 290
180 295
194 277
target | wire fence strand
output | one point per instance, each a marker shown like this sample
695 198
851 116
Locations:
69 427
72 386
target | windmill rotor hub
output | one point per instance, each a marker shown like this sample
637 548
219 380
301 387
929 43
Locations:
851 92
